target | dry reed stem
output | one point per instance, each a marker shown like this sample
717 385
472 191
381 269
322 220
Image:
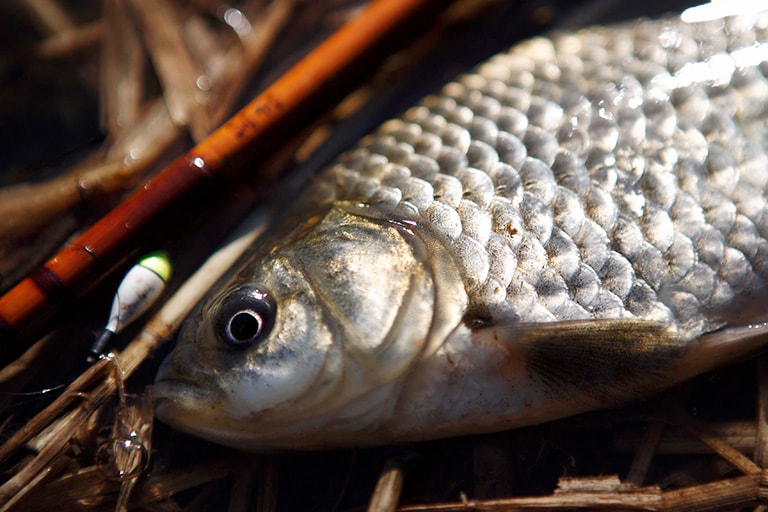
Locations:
267 486
161 486
122 69
644 455
202 500
740 435
726 494
131 445
51 19
761 438
493 475
32 207
598 493
68 42
90 484
163 34
58 464
242 497
32 474
26 207
86 484
53 430
722 448
264 28
386 494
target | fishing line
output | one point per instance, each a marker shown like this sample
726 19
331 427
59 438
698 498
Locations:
38 392
43 391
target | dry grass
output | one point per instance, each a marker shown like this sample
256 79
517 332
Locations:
703 446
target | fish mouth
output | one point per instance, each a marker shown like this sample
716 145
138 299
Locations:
173 386
186 407
178 390
175 398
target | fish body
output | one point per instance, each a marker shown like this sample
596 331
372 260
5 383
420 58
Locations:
580 221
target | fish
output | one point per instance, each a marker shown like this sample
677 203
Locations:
578 222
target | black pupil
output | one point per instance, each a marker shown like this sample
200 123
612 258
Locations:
245 325
244 316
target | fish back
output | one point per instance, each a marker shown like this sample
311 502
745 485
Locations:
616 172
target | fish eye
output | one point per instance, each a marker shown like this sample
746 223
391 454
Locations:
246 316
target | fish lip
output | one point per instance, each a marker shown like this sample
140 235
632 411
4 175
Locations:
179 393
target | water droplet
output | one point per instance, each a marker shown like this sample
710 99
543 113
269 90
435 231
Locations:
122 459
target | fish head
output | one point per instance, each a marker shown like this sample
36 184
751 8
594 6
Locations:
309 342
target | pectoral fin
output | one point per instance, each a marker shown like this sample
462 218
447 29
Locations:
598 363
602 362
